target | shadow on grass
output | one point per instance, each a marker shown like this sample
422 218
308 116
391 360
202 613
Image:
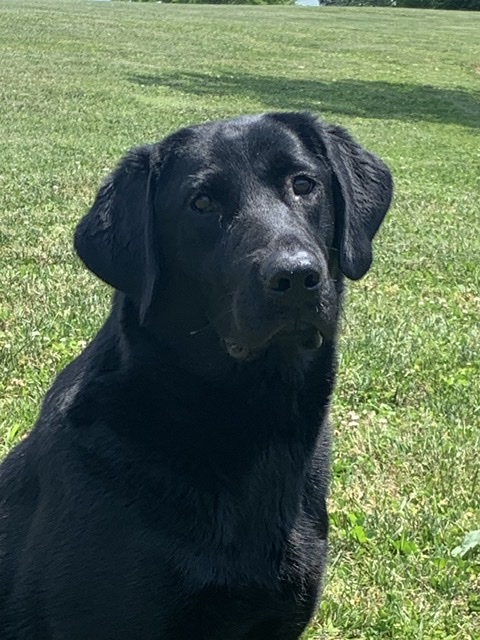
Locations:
358 98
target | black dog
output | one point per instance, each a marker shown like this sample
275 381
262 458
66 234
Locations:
174 486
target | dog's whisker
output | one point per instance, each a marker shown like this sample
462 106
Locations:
195 332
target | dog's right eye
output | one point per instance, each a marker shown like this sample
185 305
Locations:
302 185
203 204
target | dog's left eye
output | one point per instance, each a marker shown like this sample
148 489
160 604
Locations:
302 185
203 203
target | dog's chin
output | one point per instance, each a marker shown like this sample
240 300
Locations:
289 340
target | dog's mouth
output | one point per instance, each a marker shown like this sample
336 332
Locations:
302 338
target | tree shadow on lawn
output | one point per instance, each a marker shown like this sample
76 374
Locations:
357 98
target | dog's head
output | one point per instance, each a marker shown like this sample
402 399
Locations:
246 225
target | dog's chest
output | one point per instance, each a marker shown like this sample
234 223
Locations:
147 588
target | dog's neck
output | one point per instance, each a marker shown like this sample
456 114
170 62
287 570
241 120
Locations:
151 389
230 416
219 437
144 388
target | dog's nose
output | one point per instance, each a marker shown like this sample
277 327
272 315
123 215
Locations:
293 275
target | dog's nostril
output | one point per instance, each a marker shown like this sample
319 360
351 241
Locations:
312 279
292 277
294 281
281 284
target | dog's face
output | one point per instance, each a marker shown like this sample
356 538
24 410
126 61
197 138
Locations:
246 225
247 217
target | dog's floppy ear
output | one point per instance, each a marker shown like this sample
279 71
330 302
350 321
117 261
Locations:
363 190
116 238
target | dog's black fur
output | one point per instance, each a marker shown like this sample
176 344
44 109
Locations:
174 485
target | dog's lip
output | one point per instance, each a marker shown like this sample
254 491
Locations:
306 336
236 350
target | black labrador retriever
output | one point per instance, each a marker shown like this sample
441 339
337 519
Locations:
174 485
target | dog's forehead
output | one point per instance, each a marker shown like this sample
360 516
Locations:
242 141
255 134
236 129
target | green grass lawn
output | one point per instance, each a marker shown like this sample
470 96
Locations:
80 82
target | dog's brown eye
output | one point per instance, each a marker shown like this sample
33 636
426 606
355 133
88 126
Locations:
302 185
202 203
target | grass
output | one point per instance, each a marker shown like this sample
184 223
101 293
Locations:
80 82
